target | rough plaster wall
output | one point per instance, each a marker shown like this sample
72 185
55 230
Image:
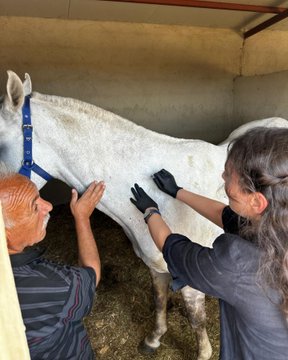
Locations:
265 53
176 80
259 97
262 90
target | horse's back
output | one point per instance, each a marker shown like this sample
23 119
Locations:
269 122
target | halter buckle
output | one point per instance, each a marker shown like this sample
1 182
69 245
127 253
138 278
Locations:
27 162
27 126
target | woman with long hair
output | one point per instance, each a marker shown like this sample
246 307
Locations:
247 268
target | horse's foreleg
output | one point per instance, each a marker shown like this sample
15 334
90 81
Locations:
160 286
195 305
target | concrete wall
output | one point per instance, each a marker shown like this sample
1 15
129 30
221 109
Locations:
176 80
262 90
265 53
183 81
261 96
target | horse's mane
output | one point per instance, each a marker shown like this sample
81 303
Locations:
72 104
90 110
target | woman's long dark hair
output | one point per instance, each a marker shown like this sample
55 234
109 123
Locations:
260 159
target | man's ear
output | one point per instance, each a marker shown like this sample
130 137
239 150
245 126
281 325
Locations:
258 203
8 241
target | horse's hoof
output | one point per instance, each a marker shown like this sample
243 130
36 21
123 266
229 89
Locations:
145 349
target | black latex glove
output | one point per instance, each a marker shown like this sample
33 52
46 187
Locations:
166 182
143 201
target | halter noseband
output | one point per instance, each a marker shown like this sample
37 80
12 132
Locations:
28 164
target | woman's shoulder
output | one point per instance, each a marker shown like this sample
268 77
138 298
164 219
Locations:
236 253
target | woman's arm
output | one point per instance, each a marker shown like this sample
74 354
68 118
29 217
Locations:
158 229
209 208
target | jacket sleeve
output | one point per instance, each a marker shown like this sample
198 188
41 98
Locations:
212 271
81 292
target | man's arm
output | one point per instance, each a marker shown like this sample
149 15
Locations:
82 209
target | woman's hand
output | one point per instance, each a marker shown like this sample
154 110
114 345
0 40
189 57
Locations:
166 182
142 201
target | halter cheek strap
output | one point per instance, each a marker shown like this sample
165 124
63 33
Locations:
28 164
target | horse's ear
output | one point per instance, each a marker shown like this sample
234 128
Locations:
15 91
27 84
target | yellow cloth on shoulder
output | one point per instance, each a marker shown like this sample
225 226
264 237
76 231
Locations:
13 342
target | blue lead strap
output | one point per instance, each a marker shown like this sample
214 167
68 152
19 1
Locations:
28 164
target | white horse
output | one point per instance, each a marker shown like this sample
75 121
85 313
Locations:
77 142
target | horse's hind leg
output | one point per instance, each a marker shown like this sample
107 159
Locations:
160 283
195 305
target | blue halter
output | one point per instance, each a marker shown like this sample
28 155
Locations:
28 164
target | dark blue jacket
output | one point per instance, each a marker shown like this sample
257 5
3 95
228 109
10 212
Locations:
252 326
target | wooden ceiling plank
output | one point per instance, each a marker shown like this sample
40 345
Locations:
211 5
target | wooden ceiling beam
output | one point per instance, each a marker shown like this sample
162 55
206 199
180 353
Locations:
266 24
211 5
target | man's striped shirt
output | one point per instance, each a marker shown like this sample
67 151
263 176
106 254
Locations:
54 299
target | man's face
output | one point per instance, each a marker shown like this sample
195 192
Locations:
27 211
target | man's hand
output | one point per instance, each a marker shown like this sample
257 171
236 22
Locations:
142 201
166 182
83 207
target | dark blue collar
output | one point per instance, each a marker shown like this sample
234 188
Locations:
28 164
26 256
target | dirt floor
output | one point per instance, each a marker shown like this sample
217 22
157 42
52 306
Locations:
123 311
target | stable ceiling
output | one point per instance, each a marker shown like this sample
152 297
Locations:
240 21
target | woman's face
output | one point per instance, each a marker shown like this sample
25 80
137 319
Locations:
239 201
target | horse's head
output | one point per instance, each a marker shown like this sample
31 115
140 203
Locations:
11 137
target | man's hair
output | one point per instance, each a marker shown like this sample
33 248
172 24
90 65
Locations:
260 159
